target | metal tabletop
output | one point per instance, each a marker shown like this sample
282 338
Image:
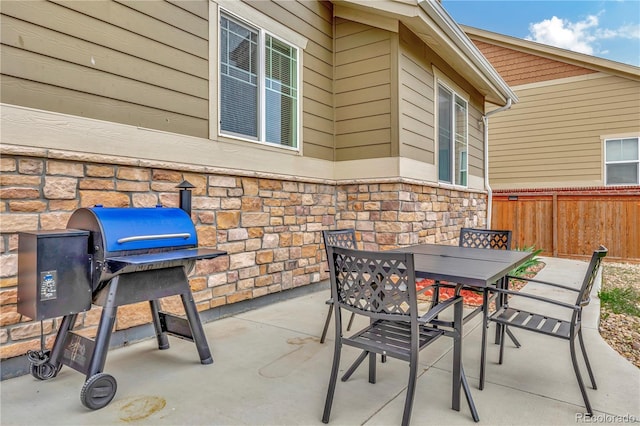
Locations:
476 267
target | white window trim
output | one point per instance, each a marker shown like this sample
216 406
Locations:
605 162
246 14
441 80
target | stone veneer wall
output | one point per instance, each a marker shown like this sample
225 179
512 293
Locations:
270 226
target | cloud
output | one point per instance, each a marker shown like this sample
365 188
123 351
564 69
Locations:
581 36
578 36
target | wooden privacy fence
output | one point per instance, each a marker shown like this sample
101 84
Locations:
572 222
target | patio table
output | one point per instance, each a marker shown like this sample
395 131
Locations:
476 267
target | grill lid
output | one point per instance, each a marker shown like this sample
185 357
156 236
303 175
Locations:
125 229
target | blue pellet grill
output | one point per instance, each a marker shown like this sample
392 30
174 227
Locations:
108 257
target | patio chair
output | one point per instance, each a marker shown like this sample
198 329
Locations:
487 239
381 286
538 322
339 238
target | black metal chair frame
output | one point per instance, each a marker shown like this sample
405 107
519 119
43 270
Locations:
550 326
345 238
486 239
382 286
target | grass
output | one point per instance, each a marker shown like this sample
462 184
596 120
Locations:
621 300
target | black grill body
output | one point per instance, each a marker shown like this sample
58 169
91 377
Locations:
109 257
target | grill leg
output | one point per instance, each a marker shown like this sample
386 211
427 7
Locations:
103 336
199 337
58 345
161 336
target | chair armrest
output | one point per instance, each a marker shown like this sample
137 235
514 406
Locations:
540 298
511 277
436 310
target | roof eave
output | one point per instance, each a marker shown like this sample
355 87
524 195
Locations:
482 69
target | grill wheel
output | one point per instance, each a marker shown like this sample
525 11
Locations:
98 391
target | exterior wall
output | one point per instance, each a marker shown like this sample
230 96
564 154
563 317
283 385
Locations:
417 116
270 225
146 64
363 91
553 137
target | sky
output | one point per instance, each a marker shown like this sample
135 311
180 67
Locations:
607 29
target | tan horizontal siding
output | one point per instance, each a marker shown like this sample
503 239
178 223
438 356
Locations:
363 81
47 70
373 151
43 96
168 33
100 33
364 139
317 93
48 43
172 14
557 130
124 62
417 135
363 96
196 7
475 156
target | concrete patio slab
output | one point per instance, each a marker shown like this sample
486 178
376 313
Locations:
270 369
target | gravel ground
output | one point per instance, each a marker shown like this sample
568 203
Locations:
621 331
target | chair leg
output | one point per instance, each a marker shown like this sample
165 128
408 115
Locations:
332 383
457 356
353 315
372 367
354 366
502 332
326 324
411 391
435 295
512 337
467 394
483 348
586 360
576 368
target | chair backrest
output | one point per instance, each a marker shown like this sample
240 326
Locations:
345 238
485 238
584 296
340 238
374 284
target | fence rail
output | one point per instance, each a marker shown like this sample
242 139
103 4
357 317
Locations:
572 222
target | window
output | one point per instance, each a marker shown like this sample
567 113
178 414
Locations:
452 137
258 84
622 161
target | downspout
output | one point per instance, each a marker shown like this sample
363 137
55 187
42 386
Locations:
485 122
